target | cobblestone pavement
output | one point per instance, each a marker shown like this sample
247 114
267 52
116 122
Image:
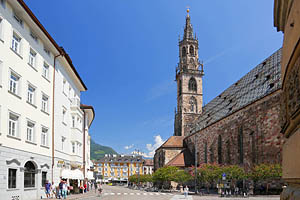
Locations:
123 193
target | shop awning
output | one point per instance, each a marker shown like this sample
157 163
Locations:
72 174
77 174
90 175
66 174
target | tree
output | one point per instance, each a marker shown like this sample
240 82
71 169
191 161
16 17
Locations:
165 174
182 177
266 172
133 178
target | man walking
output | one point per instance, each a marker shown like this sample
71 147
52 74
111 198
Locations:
47 189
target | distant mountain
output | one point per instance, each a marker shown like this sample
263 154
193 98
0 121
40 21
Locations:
98 151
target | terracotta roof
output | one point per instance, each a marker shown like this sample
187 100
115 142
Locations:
59 49
256 84
183 159
148 162
173 141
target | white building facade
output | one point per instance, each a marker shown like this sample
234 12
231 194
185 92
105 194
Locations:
42 129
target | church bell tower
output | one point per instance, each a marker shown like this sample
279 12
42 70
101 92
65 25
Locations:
189 74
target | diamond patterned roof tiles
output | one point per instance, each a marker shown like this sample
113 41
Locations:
259 82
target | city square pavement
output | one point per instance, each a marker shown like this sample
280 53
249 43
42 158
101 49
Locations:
124 193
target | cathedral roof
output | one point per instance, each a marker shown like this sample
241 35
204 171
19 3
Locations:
174 141
259 82
183 159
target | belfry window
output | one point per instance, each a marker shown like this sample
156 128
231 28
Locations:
29 175
193 104
192 50
183 51
193 84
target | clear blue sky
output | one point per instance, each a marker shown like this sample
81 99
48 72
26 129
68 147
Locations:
126 53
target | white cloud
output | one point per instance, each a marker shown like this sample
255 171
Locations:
158 141
128 147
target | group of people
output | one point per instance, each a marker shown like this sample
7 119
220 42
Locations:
60 191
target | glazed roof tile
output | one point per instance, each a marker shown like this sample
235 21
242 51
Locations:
259 82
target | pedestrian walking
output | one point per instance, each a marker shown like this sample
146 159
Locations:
100 188
64 190
186 191
95 185
47 189
60 189
53 190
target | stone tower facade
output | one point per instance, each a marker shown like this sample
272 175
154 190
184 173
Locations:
189 81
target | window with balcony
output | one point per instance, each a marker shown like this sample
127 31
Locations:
30 131
44 136
47 51
16 43
13 125
45 71
45 102
32 58
33 36
14 83
31 94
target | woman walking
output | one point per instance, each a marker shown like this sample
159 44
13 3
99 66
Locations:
186 191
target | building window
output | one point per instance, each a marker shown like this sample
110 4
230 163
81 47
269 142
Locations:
46 50
1 28
193 104
31 94
16 41
13 125
46 70
70 89
14 83
18 19
64 86
64 112
193 84
192 50
45 101
44 178
212 155
29 175
44 136
253 147
30 131
220 160
205 152
33 36
73 147
183 51
73 121
228 152
12 178
63 143
241 145
3 3
32 58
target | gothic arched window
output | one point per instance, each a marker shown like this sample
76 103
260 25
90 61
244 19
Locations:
220 160
183 51
193 84
193 104
29 175
205 152
192 50
192 61
241 145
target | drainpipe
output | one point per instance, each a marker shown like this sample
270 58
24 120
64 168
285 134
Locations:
53 95
84 120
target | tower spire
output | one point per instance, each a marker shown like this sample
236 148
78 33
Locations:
188 30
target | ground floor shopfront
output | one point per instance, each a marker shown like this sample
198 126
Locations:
23 174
